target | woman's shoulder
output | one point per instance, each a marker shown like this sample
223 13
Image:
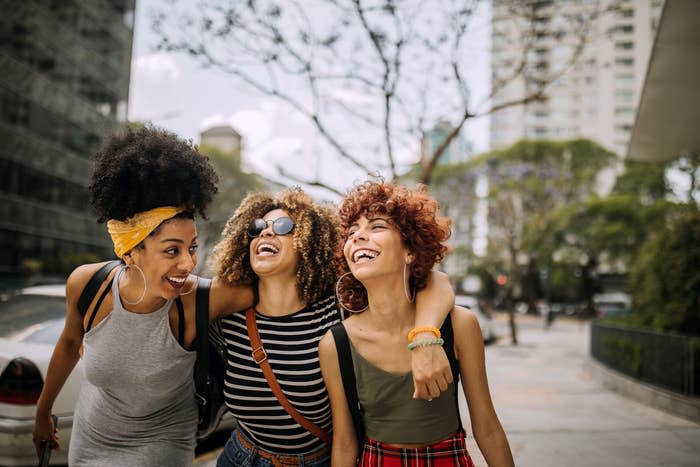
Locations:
464 318
80 277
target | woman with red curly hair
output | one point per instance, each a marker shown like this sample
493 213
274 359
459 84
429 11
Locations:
391 239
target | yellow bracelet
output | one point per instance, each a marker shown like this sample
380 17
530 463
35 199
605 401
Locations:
412 333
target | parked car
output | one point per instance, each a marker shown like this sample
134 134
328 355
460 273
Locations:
612 304
485 322
31 321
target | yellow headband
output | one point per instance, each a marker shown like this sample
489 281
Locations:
126 235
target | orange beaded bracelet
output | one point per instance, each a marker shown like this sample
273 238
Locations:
412 333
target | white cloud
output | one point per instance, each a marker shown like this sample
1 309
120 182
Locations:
157 66
155 92
254 125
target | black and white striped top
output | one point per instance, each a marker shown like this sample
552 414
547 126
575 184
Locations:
291 344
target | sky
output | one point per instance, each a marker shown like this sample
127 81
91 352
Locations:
173 92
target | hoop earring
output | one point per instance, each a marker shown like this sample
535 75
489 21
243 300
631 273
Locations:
196 283
337 296
145 286
406 286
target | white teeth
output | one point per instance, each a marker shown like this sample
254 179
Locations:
267 248
364 255
179 280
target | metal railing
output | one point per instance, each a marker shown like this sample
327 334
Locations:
670 361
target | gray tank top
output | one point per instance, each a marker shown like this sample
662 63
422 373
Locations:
391 415
136 404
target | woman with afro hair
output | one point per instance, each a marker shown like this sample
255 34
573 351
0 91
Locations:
136 405
391 238
283 245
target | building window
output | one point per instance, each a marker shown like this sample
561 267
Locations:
624 111
624 95
624 77
627 13
625 28
624 45
626 62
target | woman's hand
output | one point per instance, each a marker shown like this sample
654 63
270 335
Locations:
45 431
431 369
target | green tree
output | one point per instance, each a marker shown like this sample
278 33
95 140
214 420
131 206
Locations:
611 230
665 278
598 231
646 181
527 183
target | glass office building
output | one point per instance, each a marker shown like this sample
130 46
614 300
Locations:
64 85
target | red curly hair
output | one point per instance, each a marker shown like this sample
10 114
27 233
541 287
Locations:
415 216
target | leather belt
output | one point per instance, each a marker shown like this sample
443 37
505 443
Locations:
280 460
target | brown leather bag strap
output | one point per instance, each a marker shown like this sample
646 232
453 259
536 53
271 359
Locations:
260 357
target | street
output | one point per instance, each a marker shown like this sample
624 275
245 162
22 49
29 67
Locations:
555 414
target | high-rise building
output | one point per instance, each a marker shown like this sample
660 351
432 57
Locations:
64 85
597 97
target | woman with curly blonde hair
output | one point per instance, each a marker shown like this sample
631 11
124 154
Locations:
391 237
283 245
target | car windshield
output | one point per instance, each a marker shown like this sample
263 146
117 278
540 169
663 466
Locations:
36 319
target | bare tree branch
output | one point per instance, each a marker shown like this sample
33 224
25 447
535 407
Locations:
406 60
308 182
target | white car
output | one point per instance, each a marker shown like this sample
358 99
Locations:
485 323
30 324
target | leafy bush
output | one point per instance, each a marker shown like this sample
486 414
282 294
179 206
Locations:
665 277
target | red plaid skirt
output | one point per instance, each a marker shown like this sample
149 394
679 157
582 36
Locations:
451 452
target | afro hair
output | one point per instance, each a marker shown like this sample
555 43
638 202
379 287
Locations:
140 169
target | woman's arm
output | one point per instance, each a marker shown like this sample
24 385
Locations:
344 447
487 429
429 364
64 358
225 298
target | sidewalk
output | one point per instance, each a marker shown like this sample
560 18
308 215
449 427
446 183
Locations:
555 414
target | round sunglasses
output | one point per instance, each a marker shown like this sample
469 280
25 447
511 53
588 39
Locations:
280 226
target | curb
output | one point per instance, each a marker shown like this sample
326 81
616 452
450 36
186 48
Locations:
676 404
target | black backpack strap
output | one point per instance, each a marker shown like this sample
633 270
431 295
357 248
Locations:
449 346
93 286
97 305
180 322
201 369
448 336
347 372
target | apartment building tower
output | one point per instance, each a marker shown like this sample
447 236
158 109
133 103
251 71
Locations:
64 86
597 97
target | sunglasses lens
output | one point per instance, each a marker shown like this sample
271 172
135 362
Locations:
283 226
255 227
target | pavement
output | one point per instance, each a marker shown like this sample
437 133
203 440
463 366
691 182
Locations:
555 414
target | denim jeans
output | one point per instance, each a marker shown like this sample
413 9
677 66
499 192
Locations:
235 455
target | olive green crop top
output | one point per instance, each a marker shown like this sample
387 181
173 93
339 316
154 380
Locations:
391 415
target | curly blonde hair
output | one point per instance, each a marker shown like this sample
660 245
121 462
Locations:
315 236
